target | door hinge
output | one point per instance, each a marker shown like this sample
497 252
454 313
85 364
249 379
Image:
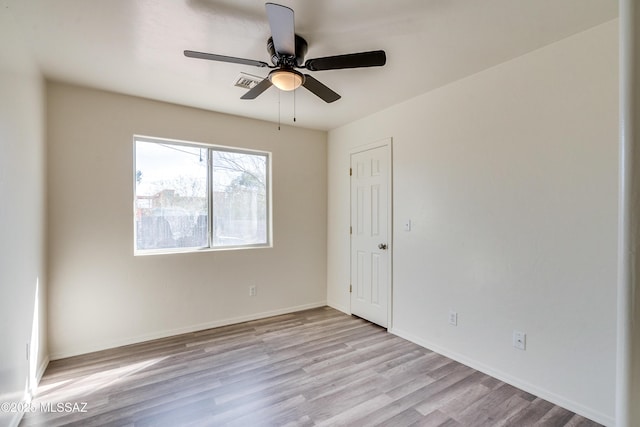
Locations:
350 171
350 230
350 288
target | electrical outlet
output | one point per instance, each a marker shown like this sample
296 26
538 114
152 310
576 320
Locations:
453 318
520 340
253 291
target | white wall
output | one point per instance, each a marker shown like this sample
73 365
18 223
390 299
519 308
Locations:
100 294
22 221
628 369
509 178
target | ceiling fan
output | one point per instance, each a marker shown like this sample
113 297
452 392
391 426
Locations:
287 51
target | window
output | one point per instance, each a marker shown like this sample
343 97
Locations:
191 196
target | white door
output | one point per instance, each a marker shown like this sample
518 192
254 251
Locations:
370 234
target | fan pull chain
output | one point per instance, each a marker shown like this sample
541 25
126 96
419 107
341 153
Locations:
279 110
294 105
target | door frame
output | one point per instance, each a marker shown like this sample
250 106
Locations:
386 142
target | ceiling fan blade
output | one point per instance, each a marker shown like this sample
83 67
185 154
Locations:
320 89
375 58
222 58
257 89
282 28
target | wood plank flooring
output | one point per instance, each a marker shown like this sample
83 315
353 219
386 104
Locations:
316 367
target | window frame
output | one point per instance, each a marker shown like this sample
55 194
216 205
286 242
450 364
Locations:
210 148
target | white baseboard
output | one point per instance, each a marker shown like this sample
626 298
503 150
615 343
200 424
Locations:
192 328
41 368
17 417
15 420
516 382
339 307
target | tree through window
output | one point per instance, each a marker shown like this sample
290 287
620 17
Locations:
190 197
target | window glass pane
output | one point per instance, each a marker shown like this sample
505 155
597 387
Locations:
171 196
239 198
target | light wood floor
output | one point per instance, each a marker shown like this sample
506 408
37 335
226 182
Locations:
316 367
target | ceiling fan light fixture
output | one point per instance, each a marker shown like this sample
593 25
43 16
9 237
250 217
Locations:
286 80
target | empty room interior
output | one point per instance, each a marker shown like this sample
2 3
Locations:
434 201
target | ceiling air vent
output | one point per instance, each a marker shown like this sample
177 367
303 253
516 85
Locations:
247 81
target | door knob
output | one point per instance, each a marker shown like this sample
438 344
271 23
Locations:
382 246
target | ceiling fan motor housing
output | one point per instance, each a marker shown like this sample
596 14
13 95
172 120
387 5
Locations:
291 61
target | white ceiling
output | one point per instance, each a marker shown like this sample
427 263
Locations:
135 46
